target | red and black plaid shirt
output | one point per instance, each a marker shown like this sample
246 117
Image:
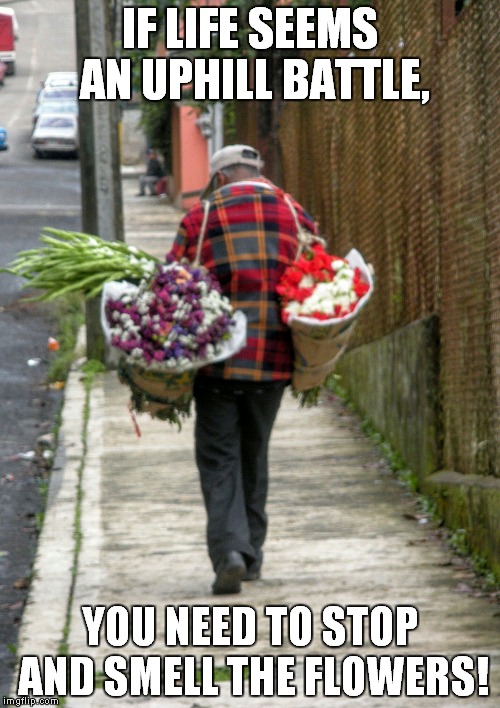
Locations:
249 240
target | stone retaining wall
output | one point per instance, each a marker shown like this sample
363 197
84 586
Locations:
394 382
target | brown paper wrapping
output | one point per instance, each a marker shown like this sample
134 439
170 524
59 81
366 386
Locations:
316 351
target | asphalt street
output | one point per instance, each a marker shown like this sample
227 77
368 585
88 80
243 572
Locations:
33 194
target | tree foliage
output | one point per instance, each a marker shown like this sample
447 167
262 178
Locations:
155 118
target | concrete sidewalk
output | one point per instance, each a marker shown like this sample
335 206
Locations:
340 534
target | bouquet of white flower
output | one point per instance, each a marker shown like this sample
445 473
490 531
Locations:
71 261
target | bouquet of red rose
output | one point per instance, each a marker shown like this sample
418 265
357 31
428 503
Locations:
322 296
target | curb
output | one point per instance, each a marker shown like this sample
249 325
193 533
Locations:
41 633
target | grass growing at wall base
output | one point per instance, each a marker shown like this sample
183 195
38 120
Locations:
69 316
392 457
457 539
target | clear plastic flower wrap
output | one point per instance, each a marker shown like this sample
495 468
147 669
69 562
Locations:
165 329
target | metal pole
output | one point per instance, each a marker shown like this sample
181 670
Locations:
102 206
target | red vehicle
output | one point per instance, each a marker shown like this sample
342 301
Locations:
8 36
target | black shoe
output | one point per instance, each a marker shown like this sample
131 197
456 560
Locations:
229 574
253 573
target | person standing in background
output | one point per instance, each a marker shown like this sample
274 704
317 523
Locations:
154 172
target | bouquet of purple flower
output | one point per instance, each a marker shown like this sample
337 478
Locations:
176 319
173 324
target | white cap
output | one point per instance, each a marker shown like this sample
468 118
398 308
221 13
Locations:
234 155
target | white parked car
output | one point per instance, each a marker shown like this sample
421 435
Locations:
55 133
68 92
63 106
61 78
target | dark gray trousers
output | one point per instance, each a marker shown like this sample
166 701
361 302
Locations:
234 420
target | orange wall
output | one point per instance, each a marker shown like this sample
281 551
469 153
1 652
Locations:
192 166
190 159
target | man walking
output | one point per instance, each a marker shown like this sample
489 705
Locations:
249 240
